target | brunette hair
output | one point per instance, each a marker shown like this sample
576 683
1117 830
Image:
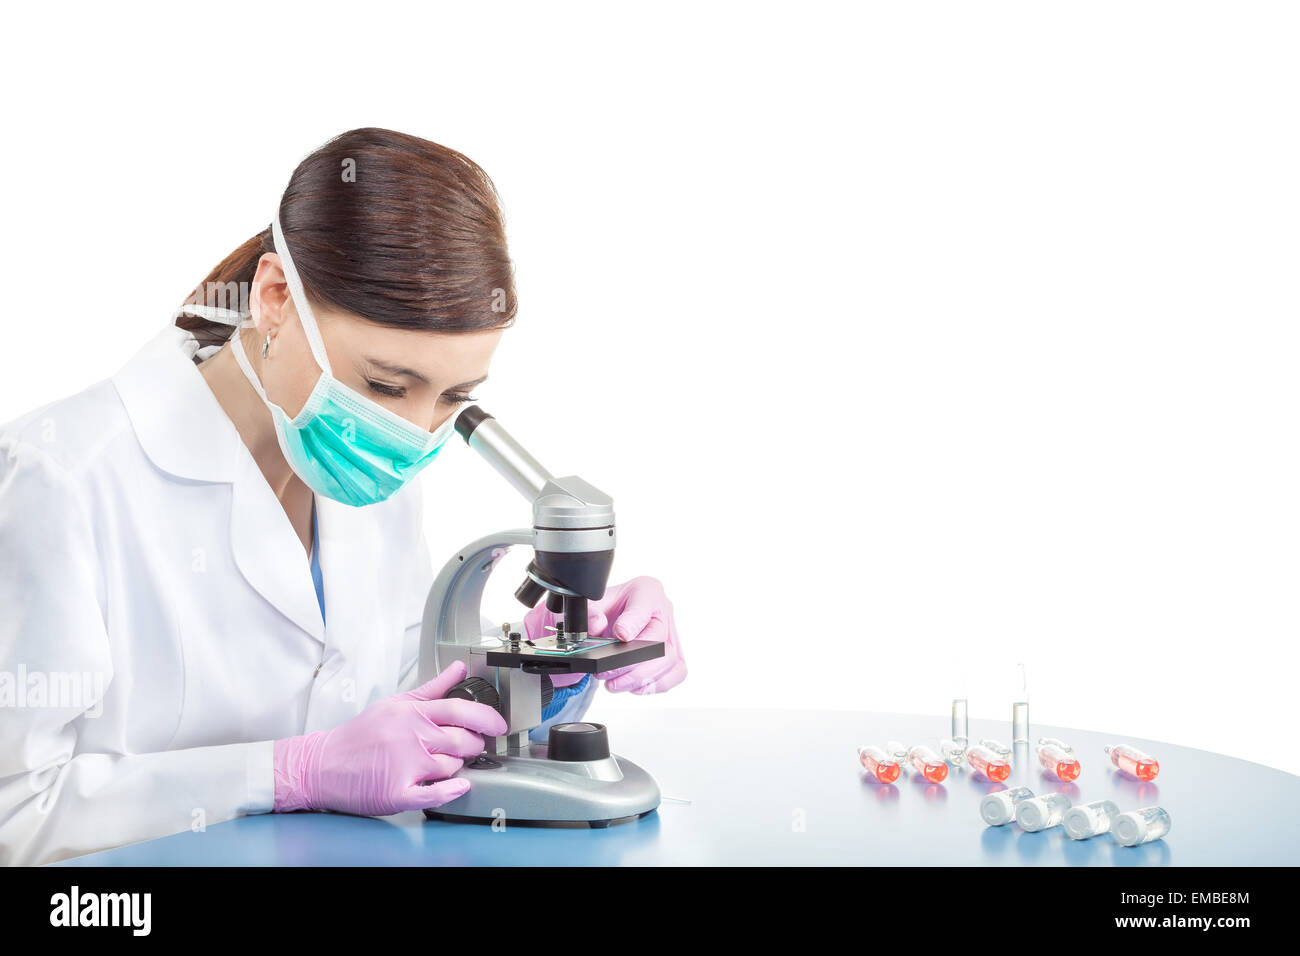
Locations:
387 226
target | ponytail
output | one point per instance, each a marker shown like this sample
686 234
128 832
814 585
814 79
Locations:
226 287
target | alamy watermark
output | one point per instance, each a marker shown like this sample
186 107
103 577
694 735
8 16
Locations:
77 690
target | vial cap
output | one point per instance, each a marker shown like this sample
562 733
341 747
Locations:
995 809
1077 823
1029 815
1128 829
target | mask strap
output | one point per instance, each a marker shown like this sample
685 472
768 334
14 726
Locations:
237 346
299 297
214 314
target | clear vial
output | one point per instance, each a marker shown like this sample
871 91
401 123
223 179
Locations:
960 724
953 751
880 764
1090 819
999 808
1133 761
1055 760
928 763
985 761
1042 813
1020 722
1044 741
998 747
897 751
1140 826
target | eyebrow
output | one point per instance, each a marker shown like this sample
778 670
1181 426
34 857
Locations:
466 386
396 369
401 370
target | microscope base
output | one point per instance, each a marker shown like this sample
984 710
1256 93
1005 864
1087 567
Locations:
532 790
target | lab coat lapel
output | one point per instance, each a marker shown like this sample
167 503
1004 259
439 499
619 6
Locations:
268 552
350 560
184 431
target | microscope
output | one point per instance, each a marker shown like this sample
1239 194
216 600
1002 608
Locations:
572 779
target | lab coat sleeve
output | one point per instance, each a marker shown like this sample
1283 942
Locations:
56 800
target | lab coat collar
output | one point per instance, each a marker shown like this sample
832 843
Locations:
179 422
184 431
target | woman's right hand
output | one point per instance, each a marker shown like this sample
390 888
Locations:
379 761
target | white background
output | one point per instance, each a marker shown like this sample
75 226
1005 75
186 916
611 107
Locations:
914 342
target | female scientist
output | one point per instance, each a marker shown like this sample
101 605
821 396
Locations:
212 565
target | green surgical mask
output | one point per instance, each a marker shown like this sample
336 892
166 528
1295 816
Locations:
342 445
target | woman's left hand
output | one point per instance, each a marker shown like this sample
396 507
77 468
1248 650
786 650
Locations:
637 610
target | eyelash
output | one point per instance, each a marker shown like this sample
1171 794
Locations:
393 391
390 390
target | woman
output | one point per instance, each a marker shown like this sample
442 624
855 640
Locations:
212 567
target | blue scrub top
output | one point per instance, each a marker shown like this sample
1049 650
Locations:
563 695
316 578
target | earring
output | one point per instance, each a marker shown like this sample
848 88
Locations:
266 346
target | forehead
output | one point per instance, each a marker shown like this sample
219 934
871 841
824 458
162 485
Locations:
445 358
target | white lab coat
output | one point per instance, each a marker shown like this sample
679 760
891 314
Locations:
158 624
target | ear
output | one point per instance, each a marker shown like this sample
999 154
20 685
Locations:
268 300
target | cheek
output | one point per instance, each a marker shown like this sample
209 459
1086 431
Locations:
289 379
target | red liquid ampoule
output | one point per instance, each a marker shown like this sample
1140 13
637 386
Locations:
985 761
928 763
1059 761
1133 761
882 767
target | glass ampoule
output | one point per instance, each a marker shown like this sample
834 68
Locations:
1042 813
1020 711
954 751
1133 761
1140 826
1043 741
1090 819
998 747
1059 762
928 763
985 761
960 723
883 767
999 808
1020 722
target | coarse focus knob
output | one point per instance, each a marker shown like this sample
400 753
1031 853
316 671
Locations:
548 691
478 690
582 740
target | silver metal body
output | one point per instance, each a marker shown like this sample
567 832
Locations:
516 782
573 541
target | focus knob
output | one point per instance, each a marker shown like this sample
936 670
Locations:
476 689
548 691
577 741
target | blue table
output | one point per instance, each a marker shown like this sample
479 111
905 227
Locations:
780 787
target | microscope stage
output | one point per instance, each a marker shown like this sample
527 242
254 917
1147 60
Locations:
605 656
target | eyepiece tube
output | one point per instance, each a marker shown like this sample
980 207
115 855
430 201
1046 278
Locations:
485 435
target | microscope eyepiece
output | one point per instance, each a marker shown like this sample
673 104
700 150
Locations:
470 419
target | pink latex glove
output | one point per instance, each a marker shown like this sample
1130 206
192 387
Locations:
377 762
638 610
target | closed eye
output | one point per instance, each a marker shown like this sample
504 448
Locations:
379 388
